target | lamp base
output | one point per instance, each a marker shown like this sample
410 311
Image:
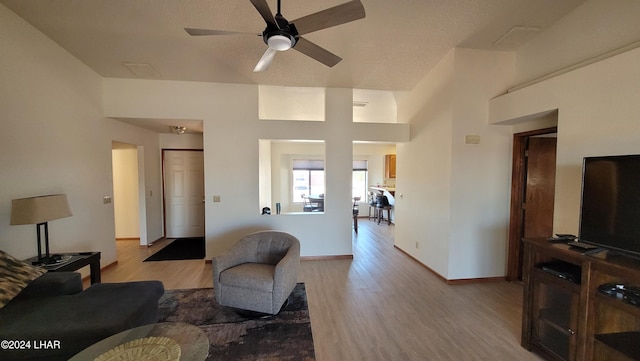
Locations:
46 260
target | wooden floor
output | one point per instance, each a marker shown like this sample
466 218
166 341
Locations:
379 306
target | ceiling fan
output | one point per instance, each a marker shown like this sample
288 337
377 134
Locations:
281 35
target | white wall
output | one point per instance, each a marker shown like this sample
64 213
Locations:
265 171
452 198
481 173
423 187
291 103
598 113
149 175
231 142
597 105
180 141
55 140
125 191
594 28
381 106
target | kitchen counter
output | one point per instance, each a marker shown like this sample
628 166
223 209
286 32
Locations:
382 189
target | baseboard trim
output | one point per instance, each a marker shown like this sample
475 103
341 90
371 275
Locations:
151 244
326 258
421 264
314 258
112 264
463 281
448 281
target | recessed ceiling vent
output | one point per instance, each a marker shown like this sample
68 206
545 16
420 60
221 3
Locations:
516 36
142 70
359 104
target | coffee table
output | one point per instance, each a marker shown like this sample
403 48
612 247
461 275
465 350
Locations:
194 344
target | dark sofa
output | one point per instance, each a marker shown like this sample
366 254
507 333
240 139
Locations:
59 319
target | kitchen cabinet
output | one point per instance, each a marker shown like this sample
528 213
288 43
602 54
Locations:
390 166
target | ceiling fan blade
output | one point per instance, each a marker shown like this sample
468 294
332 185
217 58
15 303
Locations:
200 32
314 51
263 9
336 15
265 61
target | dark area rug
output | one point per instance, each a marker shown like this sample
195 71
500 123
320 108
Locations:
180 249
286 336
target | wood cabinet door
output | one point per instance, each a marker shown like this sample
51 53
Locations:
390 166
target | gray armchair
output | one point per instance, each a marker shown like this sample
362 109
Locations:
258 273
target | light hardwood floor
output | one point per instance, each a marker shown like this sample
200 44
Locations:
381 305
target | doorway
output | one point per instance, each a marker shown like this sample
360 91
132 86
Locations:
532 193
183 178
129 204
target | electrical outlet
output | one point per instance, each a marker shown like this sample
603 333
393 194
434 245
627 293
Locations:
417 245
106 199
216 198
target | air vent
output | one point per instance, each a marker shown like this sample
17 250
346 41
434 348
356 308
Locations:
471 139
359 104
142 70
516 36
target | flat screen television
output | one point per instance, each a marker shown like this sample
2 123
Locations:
610 203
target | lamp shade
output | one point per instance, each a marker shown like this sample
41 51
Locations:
40 209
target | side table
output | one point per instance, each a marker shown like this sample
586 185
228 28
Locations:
74 261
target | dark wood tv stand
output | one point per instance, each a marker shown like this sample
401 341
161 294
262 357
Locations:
565 320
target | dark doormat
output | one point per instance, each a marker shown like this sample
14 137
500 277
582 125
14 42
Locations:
285 336
180 249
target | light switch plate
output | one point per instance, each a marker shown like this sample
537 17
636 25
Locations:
106 199
216 198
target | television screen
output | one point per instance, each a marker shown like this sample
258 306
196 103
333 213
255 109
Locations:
610 203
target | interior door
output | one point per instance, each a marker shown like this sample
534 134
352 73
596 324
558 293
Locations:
540 187
184 193
532 193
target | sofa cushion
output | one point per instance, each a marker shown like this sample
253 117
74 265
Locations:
78 320
15 275
256 276
52 284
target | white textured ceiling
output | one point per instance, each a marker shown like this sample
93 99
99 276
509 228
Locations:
392 48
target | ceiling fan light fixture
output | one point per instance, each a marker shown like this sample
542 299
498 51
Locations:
279 42
178 129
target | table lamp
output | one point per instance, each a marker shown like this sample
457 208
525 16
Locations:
38 211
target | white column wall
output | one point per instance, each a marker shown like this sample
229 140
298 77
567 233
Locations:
423 186
452 198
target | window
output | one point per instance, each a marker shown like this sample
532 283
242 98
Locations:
308 178
359 180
